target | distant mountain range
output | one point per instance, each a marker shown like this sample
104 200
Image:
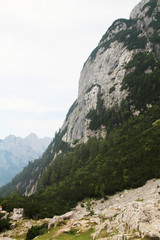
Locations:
16 152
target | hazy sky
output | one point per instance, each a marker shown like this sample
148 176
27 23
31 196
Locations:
43 46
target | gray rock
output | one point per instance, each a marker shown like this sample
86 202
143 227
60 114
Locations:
136 215
137 9
75 215
102 73
17 214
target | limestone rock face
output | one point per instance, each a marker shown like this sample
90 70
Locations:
131 214
137 9
97 78
74 215
104 71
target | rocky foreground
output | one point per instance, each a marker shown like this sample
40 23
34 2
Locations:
131 214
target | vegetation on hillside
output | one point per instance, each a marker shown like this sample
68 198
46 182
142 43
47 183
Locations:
35 231
34 169
143 83
126 158
130 37
4 222
143 87
151 4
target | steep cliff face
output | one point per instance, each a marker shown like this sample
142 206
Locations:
104 70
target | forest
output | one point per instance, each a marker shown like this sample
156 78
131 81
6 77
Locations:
126 158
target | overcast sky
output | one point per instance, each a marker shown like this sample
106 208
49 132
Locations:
43 46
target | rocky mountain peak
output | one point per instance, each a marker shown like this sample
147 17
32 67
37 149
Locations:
32 136
105 69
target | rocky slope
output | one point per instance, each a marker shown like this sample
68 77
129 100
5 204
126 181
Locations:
16 152
131 214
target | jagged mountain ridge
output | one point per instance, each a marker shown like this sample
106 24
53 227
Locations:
126 46
16 152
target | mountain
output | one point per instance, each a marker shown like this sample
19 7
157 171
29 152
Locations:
111 135
101 82
16 152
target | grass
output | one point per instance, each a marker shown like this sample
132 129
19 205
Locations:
66 236
139 200
20 231
151 238
156 122
104 233
48 235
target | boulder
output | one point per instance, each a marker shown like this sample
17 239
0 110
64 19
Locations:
17 214
75 215
54 221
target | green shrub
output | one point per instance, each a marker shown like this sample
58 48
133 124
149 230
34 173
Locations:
155 38
151 4
72 231
36 230
4 223
131 39
143 87
151 238
112 89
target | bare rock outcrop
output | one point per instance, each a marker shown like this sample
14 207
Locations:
104 70
17 214
132 213
77 214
